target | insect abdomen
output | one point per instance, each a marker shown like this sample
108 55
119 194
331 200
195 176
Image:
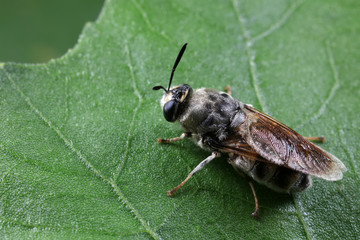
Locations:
278 178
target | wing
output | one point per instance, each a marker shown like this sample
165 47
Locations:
263 138
279 144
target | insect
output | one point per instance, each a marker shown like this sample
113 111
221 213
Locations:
258 146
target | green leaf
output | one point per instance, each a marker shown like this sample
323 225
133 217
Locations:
78 151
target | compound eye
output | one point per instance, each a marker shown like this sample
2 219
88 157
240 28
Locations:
170 110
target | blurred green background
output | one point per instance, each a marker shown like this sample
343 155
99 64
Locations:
34 31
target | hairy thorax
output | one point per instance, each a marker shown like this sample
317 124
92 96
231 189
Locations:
209 112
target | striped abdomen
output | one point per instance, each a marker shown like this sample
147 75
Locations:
278 178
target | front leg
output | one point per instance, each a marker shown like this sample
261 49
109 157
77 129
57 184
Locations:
182 136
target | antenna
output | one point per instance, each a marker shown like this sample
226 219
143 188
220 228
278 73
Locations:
173 69
176 63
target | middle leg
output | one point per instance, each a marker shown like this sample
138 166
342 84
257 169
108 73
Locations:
196 169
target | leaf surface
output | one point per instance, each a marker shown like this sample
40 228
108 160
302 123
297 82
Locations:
78 151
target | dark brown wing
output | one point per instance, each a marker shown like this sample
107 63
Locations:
263 138
235 144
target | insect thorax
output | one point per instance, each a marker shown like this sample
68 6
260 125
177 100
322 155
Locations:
209 112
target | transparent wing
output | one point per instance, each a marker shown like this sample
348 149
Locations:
279 144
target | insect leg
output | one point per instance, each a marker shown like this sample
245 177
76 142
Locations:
182 136
228 90
196 169
316 139
255 214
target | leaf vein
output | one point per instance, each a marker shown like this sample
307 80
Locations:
7 173
67 142
148 23
349 156
168 216
251 56
333 90
299 212
131 125
222 231
71 228
133 209
277 25
83 159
